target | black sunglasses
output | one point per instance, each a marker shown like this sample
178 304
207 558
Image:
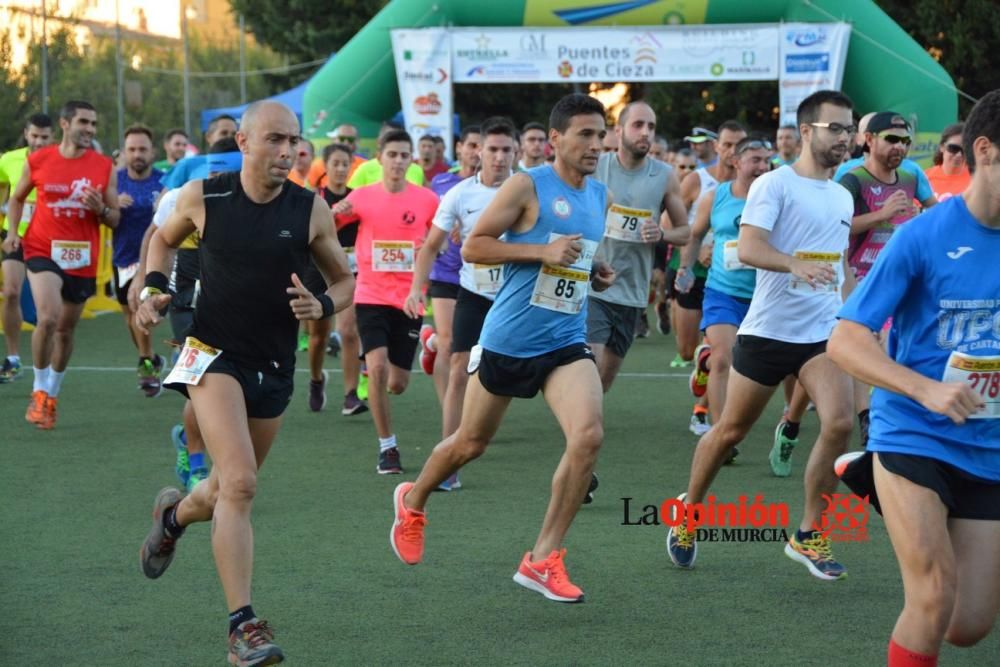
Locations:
954 149
347 140
896 139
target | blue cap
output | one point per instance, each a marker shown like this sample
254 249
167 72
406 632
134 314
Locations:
223 162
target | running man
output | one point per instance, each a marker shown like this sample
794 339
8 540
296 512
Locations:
647 209
730 283
394 216
458 212
257 231
77 192
37 134
794 229
883 196
337 158
934 447
533 338
139 186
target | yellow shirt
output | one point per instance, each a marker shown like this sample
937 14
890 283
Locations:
371 172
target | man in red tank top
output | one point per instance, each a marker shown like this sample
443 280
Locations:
77 192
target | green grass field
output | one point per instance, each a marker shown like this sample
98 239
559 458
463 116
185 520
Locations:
74 508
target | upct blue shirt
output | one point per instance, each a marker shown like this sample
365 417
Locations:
924 191
514 325
135 220
939 281
185 171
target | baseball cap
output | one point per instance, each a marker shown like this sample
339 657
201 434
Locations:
887 120
700 134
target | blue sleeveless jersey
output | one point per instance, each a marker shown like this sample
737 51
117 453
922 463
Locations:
516 328
727 211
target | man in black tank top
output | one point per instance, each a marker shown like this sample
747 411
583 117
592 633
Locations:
257 232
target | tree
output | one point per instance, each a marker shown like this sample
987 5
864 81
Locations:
305 29
960 34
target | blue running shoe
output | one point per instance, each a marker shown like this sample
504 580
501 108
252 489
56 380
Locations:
681 547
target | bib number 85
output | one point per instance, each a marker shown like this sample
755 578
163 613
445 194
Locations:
565 288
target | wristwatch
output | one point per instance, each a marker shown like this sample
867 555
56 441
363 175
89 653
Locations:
104 211
148 292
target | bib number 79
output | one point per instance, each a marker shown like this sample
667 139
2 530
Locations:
630 223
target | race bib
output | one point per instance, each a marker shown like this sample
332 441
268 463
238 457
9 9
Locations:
796 284
982 374
488 277
127 273
71 254
625 224
563 289
731 257
192 362
392 256
352 260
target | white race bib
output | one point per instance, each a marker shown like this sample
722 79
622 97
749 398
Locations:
127 273
833 258
27 212
352 260
731 257
489 277
625 224
982 374
561 289
392 256
71 254
192 363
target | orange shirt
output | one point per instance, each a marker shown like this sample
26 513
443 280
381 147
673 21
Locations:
392 227
944 185
62 228
294 177
317 171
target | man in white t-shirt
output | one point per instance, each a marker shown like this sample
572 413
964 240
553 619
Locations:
459 210
795 230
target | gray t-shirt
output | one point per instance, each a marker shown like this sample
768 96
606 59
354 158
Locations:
637 195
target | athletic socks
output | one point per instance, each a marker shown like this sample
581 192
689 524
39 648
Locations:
41 382
903 657
241 615
387 443
55 383
196 461
790 430
170 525
803 535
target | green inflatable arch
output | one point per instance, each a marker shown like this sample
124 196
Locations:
889 71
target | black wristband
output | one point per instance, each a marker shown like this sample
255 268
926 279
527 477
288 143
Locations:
157 280
326 301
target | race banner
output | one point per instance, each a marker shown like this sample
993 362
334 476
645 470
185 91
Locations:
812 58
423 72
622 53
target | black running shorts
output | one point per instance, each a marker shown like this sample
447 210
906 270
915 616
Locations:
470 313
524 377
768 362
385 326
267 395
75 290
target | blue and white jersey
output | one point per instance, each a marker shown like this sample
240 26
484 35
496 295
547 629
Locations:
727 274
541 308
938 280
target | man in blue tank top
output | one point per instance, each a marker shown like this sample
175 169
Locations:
933 462
534 337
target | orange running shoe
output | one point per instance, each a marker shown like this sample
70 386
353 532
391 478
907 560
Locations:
36 408
548 577
48 421
407 534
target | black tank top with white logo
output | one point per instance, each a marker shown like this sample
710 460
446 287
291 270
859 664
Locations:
248 254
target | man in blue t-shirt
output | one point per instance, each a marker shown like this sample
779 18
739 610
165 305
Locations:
933 462
533 338
139 186
196 166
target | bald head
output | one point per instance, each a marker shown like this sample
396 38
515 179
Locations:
268 113
623 116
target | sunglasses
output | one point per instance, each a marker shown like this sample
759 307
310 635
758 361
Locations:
756 144
347 140
685 166
896 139
837 128
954 149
